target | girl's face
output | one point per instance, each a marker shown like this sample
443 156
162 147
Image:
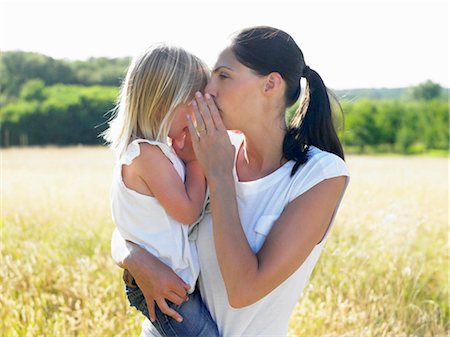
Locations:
179 123
236 90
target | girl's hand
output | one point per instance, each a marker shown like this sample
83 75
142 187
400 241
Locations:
210 140
183 148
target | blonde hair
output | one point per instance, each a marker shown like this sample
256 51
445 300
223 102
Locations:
157 81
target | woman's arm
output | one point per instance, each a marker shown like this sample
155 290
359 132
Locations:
120 248
156 280
248 276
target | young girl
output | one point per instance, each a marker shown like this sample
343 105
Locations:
158 186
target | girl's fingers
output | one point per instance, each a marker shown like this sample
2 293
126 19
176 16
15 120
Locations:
217 120
204 110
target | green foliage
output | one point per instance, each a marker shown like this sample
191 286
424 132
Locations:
33 90
104 71
375 122
360 123
401 126
47 101
383 93
17 68
59 114
426 91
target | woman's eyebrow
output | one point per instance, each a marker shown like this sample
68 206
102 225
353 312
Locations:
220 67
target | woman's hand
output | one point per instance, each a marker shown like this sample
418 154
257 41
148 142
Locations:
210 140
156 280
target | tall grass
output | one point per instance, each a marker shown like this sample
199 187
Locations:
383 272
385 268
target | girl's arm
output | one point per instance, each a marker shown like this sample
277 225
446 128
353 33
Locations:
248 276
156 280
154 172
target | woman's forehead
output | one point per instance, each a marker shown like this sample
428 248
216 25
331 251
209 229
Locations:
226 59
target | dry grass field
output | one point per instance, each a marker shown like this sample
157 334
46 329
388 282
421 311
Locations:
384 271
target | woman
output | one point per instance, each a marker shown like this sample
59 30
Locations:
274 189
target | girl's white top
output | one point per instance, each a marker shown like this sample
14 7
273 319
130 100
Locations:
142 220
261 202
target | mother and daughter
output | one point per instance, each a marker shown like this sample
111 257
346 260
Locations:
218 231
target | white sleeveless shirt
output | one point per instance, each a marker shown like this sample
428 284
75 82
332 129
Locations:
142 219
260 203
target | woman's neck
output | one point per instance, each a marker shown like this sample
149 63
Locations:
261 152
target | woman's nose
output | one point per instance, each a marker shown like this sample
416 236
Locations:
211 89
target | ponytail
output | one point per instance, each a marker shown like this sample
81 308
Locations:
312 123
266 49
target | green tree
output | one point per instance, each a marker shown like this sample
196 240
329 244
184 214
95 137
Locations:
33 90
102 71
388 120
64 114
361 129
18 67
426 91
435 120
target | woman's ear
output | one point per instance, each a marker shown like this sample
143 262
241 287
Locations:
273 83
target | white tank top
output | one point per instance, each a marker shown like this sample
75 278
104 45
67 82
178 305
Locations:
142 220
260 203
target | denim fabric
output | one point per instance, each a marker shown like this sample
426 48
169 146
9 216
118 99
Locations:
197 321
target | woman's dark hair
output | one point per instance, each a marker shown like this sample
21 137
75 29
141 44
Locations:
265 50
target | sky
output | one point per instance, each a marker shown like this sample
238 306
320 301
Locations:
351 44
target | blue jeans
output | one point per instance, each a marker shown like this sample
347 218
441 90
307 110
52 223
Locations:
197 321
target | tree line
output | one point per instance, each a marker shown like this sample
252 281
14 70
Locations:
18 67
396 126
47 101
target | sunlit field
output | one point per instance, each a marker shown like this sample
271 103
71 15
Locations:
384 271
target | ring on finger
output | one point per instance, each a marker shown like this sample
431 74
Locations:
199 130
